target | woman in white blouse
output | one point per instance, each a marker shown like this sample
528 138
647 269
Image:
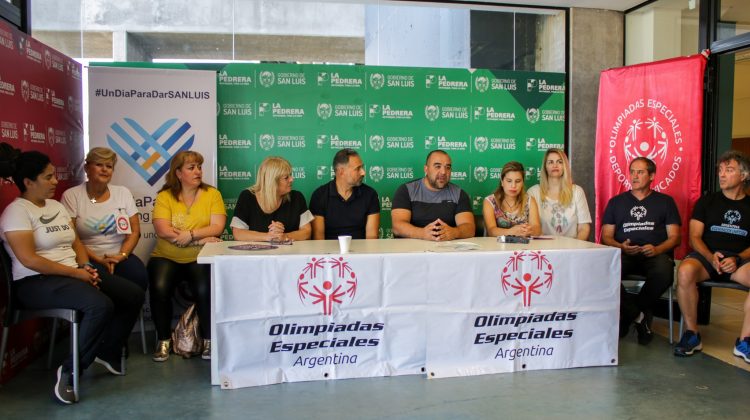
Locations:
562 205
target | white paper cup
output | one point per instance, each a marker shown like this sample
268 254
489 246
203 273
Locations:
344 242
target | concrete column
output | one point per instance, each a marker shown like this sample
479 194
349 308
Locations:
128 47
596 38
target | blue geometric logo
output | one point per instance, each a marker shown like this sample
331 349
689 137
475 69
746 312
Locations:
105 225
148 153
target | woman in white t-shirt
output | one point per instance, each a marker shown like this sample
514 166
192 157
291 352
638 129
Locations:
562 205
52 270
106 219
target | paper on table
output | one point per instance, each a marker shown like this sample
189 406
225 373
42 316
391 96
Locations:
459 246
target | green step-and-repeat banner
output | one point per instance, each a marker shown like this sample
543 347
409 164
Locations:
393 116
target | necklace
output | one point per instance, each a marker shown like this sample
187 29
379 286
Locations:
184 196
94 198
510 208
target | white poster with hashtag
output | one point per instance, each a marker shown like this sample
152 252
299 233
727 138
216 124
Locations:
147 116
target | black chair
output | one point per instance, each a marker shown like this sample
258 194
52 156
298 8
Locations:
15 315
479 229
720 285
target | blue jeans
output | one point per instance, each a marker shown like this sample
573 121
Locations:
108 313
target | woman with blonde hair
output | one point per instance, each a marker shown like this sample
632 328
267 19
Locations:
106 218
187 214
270 210
563 207
509 210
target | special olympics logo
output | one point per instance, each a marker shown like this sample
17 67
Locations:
327 281
149 153
732 217
532 115
266 141
482 83
324 111
525 274
376 143
266 78
376 173
431 112
646 128
638 212
480 173
377 80
480 143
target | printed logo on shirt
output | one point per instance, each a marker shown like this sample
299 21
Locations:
104 225
638 212
731 218
47 220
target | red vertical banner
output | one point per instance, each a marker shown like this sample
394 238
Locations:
653 110
40 109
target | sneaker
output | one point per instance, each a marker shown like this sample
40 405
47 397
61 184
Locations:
64 387
643 328
742 349
689 343
162 351
206 353
114 368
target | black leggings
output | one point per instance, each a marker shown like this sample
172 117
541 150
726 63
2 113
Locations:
164 275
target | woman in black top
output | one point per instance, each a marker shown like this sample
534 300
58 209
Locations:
270 210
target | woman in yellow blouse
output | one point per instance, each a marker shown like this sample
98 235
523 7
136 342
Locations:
187 214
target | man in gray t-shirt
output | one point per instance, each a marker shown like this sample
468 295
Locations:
432 208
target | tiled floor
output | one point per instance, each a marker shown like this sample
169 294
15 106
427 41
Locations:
726 320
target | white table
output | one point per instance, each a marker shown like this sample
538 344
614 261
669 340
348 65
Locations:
441 308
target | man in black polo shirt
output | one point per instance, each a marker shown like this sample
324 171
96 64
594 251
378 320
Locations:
345 206
645 225
433 208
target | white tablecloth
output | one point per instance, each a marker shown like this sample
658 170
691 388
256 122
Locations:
393 307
